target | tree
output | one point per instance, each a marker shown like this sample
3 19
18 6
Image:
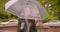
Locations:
53 8
4 14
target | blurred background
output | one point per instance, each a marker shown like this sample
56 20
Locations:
51 6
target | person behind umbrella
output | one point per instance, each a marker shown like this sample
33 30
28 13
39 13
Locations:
22 25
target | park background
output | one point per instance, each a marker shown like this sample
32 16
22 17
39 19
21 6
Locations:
51 6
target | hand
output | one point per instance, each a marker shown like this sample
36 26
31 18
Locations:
22 25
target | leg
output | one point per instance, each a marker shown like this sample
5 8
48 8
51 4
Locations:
18 28
21 25
32 26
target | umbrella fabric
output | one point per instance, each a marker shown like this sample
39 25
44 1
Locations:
28 9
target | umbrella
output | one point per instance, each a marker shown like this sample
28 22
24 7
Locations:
29 9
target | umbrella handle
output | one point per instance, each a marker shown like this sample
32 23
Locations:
28 25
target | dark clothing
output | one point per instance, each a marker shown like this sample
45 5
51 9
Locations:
19 25
32 26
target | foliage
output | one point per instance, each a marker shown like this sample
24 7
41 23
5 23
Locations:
50 18
4 15
4 20
53 10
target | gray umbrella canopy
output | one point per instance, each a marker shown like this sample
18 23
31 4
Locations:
29 9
